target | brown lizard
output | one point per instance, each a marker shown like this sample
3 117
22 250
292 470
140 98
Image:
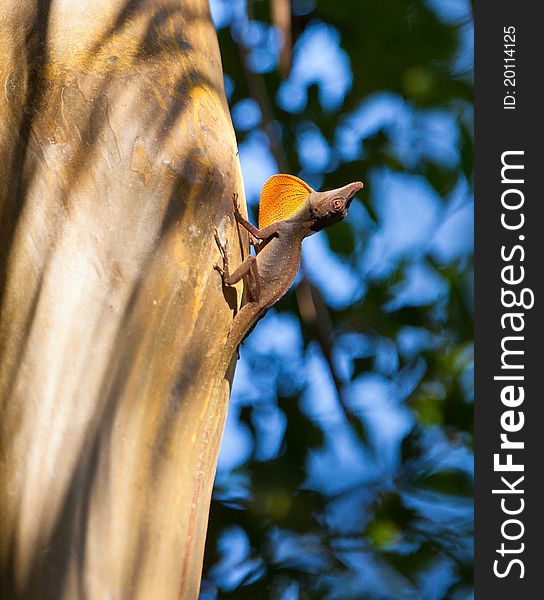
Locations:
289 211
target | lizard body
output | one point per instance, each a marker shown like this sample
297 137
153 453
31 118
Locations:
289 211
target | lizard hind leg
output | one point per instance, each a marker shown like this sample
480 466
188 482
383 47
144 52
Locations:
249 272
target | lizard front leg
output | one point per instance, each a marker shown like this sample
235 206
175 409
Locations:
247 270
255 234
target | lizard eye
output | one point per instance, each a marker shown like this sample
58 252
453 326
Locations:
337 204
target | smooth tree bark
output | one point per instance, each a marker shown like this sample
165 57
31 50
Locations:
117 160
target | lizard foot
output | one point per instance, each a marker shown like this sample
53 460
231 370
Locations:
235 204
224 251
223 247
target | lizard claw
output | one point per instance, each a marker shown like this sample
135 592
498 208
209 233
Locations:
224 251
235 203
222 246
219 269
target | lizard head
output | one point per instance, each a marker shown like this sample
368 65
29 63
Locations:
330 207
288 197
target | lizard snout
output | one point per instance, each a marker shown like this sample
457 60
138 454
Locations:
354 188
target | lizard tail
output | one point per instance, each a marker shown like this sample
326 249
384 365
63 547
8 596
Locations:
244 322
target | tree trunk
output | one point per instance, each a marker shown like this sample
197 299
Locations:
117 159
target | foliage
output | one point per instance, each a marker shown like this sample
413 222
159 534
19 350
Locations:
346 468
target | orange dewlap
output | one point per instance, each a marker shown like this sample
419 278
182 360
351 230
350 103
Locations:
281 196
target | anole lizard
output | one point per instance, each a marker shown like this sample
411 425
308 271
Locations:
289 211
